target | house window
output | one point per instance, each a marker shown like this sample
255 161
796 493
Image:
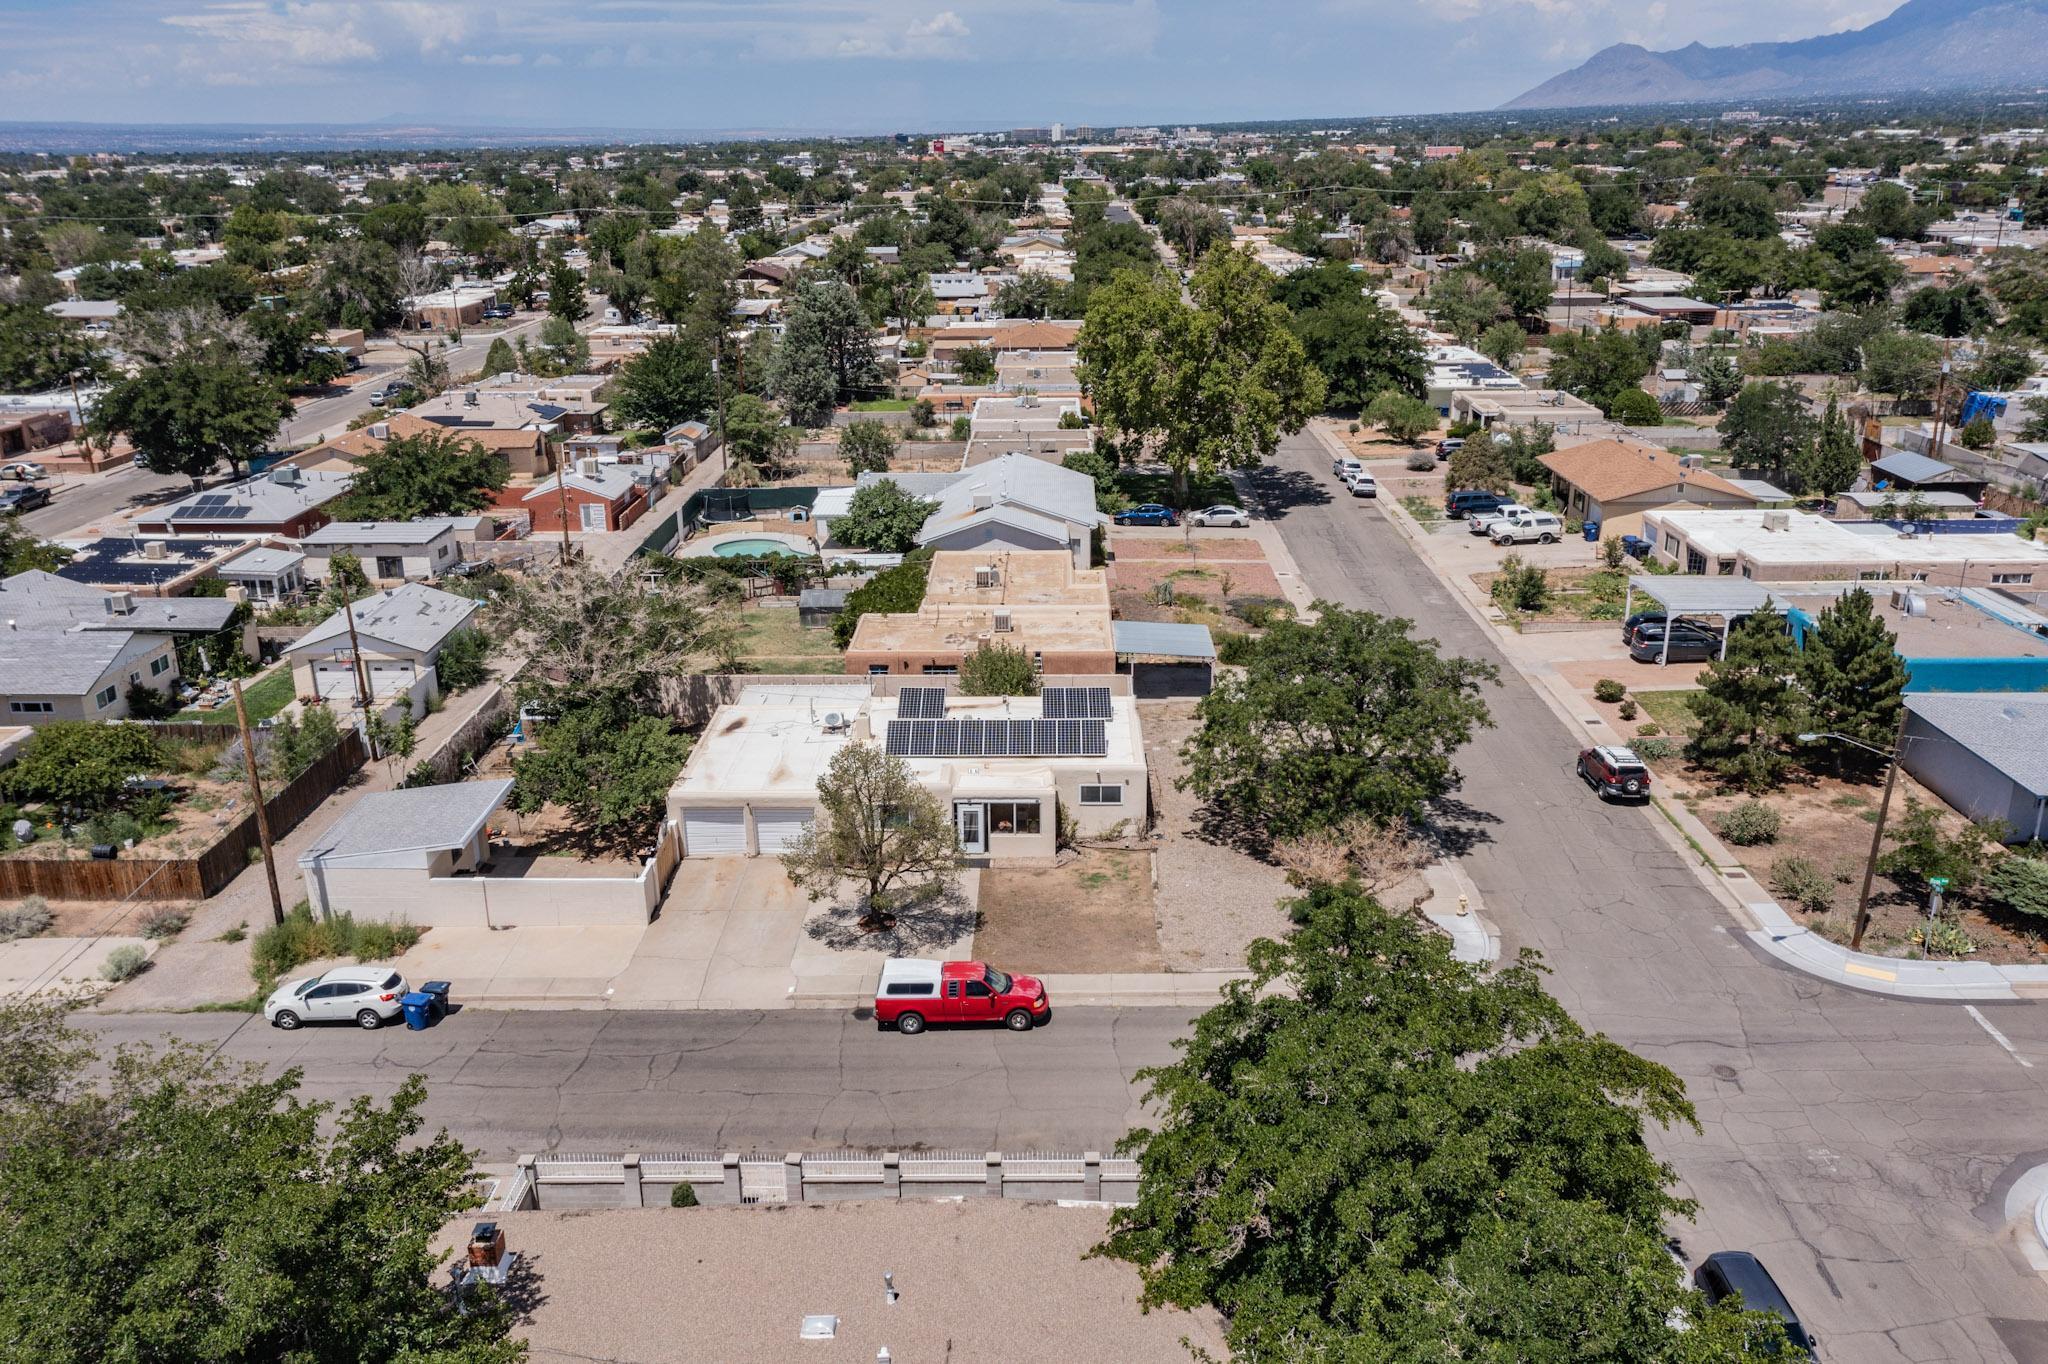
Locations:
1695 562
1873 575
1013 816
160 665
31 707
1670 544
441 553
1726 568
2012 579
103 699
878 670
390 566
941 670
1103 795
1037 661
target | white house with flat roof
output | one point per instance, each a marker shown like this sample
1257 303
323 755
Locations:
1005 768
1789 546
391 551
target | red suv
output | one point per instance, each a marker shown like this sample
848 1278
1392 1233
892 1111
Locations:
1615 771
915 992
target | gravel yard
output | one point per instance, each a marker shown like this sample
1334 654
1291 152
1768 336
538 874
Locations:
1213 900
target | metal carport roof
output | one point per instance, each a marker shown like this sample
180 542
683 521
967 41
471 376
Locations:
1695 596
1162 639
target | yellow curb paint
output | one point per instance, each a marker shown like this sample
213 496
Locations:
1857 970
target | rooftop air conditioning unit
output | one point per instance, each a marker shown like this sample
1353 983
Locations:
288 475
1692 461
1003 623
469 398
589 467
983 501
1777 521
985 576
155 549
120 603
379 430
1900 596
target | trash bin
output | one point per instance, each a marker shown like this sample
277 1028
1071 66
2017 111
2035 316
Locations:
438 990
1635 546
1592 532
418 1009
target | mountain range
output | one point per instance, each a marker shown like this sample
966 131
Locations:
1923 46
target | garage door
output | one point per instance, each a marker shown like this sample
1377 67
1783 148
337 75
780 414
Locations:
335 679
389 679
776 830
715 832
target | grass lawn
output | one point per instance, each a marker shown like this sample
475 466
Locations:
1427 511
880 405
1207 491
1671 710
264 698
773 632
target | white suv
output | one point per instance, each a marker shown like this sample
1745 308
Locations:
1545 528
1482 523
364 995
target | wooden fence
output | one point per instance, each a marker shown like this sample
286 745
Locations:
184 878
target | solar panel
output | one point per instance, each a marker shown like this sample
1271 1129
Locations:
896 739
1094 738
1075 703
921 703
972 738
1045 737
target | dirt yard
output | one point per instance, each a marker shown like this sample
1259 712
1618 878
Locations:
1093 914
1206 573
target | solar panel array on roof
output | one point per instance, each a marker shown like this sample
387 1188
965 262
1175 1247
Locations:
921 703
214 507
972 738
1075 703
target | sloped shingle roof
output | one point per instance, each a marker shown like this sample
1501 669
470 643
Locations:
1609 471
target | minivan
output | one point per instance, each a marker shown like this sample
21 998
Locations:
1690 642
1460 505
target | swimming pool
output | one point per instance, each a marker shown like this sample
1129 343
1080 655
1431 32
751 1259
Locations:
753 549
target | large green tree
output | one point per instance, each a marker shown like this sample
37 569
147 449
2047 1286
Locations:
170 1207
1833 462
827 355
1348 716
1361 347
433 473
1749 707
1206 383
38 351
1853 677
611 768
194 411
882 518
668 383
1370 1151
1766 426
878 828
1597 365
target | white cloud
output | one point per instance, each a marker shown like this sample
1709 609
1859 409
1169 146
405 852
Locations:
944 24
490 59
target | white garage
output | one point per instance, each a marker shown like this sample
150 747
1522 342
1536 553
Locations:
776 830
715 831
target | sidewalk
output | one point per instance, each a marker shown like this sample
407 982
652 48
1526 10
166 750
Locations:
1760 916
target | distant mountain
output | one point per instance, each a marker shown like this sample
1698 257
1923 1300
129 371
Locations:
1924 45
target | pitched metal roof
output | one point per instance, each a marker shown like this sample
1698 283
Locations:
1912 468
413 617
66 662
2009 730
379 532
1163 638
261 500
423 819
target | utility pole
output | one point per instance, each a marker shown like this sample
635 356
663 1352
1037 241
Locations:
1940 402
1877 834
357 667
719 384
256 791
562 498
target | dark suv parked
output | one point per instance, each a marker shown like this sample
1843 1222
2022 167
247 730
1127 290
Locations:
1689 642
1728 1272
1614 771
1460 505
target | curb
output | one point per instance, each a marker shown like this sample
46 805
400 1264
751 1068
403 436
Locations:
1757 914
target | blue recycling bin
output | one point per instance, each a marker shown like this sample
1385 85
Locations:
418 1009
438 990
1592 532
1635 546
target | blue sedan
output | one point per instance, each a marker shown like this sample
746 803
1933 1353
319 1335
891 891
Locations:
1148 514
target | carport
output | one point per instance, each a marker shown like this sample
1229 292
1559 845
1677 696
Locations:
1179 660
1724 598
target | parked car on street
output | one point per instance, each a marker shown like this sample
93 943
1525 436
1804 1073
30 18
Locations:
1544 528
1448 446
1348 469
1690 642
1147 514
27 497
1460 505
1220 516
497 311
1727 1273
1482 522
1361 484
916 992
1613 770
25 470
366 996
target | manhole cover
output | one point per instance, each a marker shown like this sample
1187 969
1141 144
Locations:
1724 1072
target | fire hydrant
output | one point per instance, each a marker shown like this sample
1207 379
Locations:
1463 907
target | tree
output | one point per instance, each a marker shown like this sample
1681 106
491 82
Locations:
879 828
464 662
426 374
1465 305
1633 407
1766 426
1888 210
1348 716
1903 364
1747 708
1922 851
38 351
2000 365
1719 379
500 359
1480 464
433 473
1597 365
1741 208
1523 277
1403 418
893 591
21 551
882 518
668 383
566 300
1954 312
1191 227
193 1210
868 446
1503 343
592 641
1853 677
191 413
975 365
2019 281
756 438
1832 463
1202 385
82 764
827 355
1978 433
1361 347
611 768
1032 295
998 670
1372 1151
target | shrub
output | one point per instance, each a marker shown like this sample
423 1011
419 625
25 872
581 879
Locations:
998 670
1749 824
1654 750
25 920
147 703
1943 939
683 1196
2021 884
166 921
1232 647
124 963
1647 729
1627 710
963 428
1260 612
463 660
1805 884
1980 434
302 938
1355 428
1520 586
1609 690
1611 553
1421 462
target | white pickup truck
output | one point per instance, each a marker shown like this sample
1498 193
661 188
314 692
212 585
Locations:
1482 522
1545 528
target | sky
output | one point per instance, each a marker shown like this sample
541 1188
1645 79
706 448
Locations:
861 66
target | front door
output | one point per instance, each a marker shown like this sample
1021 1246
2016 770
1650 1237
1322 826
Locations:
593 516
970 818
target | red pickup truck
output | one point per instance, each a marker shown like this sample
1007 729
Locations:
915 992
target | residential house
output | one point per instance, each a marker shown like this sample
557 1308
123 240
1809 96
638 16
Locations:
25 432
392 551
1614 483
1788 546
693 442
1004 768
286 501
1904 472
453 308
397 638
1951 639
147 568
1986 754
1037 602
1456 369
1505 408
71 652
264 575
591 497
1011 502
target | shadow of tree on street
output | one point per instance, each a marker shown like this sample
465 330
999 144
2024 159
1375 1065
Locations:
1453 828
938 918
